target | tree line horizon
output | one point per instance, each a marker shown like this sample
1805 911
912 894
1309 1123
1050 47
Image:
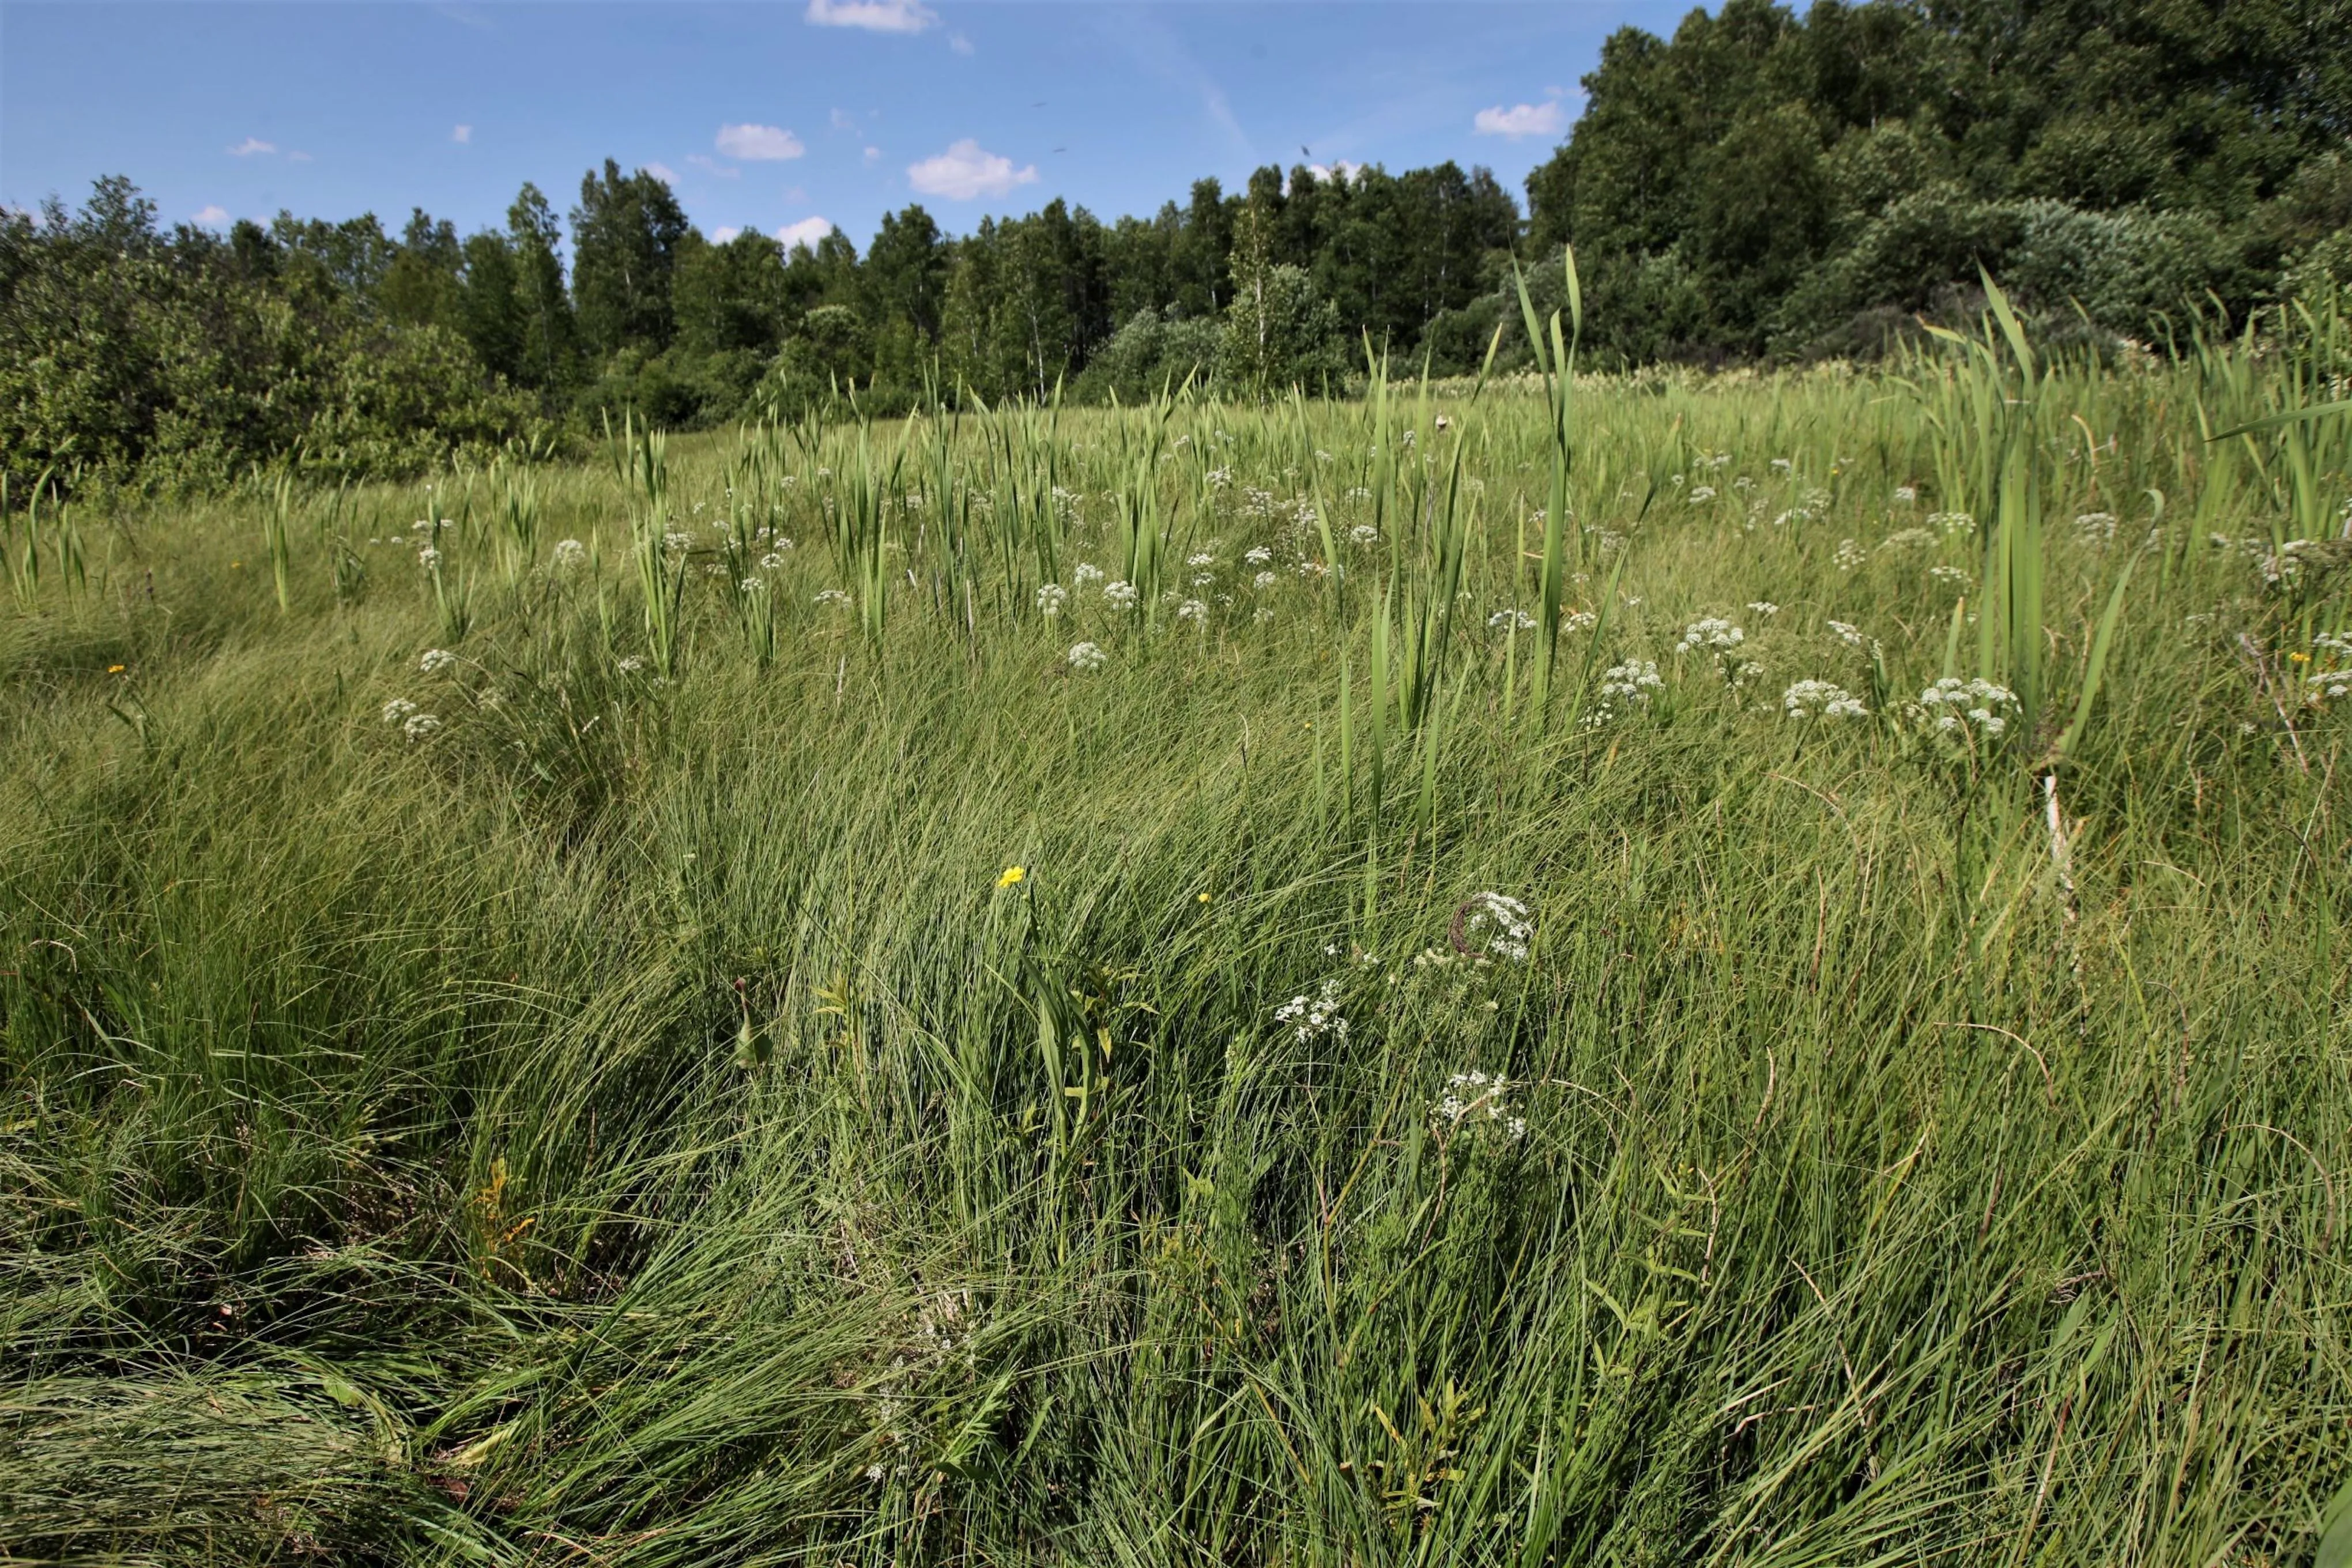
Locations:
1762 186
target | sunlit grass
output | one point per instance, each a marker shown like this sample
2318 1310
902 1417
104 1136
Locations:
643 1116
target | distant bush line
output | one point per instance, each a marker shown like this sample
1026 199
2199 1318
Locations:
1759 186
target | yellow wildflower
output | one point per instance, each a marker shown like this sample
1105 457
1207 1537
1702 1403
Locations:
1011 874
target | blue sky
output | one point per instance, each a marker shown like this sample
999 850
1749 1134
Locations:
778 117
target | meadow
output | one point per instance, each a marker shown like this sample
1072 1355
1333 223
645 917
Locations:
1649 969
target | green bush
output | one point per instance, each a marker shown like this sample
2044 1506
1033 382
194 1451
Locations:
1153 352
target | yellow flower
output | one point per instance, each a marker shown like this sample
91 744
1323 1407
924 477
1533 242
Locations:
236 565
114 669
1011 874
1205 897
2300 658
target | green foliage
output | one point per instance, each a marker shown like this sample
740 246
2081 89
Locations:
1761 186
626 235
1821 176
686 1028
1279 335
127 357
1152 353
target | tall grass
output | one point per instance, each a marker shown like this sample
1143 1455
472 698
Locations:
794 1065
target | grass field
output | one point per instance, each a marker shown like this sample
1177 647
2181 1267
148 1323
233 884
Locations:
1370 1032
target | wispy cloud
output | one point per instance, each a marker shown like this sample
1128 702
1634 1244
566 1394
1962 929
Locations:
874 155
759 143
250 145
1339 169
1160 49
461 134
211 217
1545 119
298 158
873 15
959 44
808 231
967 170
843 120
710 165
662 171
722 234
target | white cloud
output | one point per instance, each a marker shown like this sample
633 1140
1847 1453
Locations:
298 157
1339 169
874 15
874 155
211 217
965 170
721 236
461 134
842 120
710 165
756 144
662 171
959 44
250 145
808 231
1544 119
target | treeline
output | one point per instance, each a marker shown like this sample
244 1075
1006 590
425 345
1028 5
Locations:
1765 184
1761 184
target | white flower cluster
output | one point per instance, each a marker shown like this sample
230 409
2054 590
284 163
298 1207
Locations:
1713 634
1850 557
1630 682
1192 610
435 660
2331 685
1086 574
1088 656
1478 1101
1119 594
2096 527
1850 635
1820 699
1578 620
1970 712
1625 690
413 723
1951 577
1763 607
832 596
1701 494
1258 555
1508 620
1910 539
1493 924
1363 533
1051 597
1951 521
1312 1017
570 555
1906 494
